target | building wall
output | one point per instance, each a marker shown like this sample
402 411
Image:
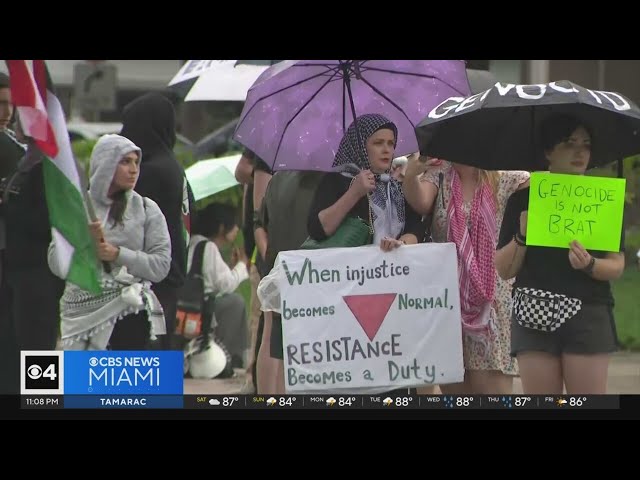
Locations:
621 76
507 71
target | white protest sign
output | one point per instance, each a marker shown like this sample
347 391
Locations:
359 320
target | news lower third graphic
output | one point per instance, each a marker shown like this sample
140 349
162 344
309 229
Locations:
103 379
154 380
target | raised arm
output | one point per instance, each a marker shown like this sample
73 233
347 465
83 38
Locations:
419 192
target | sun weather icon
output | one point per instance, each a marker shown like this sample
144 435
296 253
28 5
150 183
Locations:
448 401
507 402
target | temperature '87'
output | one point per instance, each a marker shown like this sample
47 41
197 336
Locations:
228 401
522 401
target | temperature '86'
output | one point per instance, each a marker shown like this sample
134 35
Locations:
577 401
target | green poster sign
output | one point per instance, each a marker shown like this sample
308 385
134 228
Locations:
563 208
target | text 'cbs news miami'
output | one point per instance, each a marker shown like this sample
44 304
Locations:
102 379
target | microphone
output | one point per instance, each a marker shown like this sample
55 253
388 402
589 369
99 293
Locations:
385 177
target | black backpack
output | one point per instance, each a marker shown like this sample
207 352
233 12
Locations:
194 308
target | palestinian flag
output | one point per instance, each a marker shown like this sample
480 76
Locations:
42 119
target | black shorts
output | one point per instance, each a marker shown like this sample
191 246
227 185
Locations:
592 330
275 342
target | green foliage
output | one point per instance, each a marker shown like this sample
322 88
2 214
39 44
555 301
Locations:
184 156
82 152
631 171
632 245
625 292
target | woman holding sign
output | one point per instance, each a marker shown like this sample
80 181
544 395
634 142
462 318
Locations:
365 189
467 204
562 329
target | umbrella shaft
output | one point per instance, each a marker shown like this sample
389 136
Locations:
347 81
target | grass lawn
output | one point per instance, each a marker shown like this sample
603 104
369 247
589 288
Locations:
626 292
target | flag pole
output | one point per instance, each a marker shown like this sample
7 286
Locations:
90 208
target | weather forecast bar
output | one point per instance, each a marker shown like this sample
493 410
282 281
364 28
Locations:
324 402
442 402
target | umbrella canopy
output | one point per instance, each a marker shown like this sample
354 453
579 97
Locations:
217 80
498 129
298 111
208 177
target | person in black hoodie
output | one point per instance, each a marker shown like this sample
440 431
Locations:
149 122
11 150
29 292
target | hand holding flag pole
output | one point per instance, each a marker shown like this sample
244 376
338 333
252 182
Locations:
92 213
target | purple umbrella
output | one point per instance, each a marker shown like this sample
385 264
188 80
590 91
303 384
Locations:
298 110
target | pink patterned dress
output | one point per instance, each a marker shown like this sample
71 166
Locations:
476 356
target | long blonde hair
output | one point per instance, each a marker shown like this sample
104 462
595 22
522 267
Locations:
491 178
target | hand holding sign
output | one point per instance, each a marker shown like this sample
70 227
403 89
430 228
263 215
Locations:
579 258
387 244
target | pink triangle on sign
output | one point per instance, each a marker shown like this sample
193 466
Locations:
370 310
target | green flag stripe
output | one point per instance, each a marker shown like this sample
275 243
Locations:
67 214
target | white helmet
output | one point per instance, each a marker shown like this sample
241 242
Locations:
207 364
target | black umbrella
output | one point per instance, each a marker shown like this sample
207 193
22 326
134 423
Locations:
498 129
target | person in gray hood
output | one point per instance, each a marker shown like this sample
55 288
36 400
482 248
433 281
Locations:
133 241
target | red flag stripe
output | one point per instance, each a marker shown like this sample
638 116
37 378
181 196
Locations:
40 75
31 107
